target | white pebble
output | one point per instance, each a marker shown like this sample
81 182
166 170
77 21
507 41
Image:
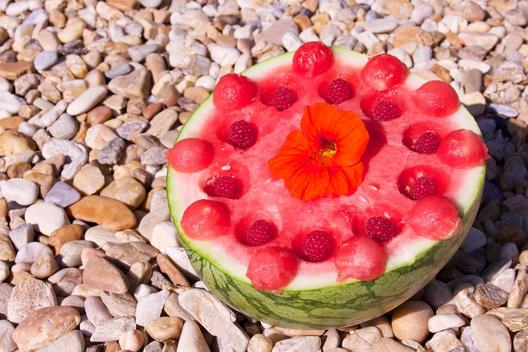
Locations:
19 190
47 217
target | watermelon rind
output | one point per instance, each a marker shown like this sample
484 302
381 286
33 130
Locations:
309 303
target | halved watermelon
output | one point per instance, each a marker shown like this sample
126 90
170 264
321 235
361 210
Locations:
321 198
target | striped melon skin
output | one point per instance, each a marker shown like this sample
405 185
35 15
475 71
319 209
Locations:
336 305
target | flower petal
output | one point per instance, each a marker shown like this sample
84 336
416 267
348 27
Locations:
291 157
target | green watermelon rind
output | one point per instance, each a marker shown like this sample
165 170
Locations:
338 305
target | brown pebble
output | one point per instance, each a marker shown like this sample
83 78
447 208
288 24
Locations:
152 109
13 70
174 274
64 235
110 213
98 115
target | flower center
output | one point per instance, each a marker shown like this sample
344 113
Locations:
328 149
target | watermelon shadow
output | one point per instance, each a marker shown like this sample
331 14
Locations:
376 141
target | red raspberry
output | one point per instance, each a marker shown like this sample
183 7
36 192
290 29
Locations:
283 98
381 229
260 232
427 143
386 110
234 92
423 186
338 91
312 59
224 186
317 246
384 71
243 134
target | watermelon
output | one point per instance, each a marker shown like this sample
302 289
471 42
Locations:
322 188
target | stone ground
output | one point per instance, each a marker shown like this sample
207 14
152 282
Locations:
93 93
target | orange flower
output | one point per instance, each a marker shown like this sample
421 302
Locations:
323 159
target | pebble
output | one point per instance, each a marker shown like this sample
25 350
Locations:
483 40
442 322
4 271
64 235
475 240
64 127
62 194
149 307
87 100
44 266
136 84
89 179
214 316
47 217
490 296
164 235
164 328
298 344
490 334
107 212
12 142
126 190
45 59
132 340
100 274
64 281
10 102
112 329
259 343
382 25
119 305
6 341
21 191
112 152
445 341
45 326
409 321
75 152
96 310
71 342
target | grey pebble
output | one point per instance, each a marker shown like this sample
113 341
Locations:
62 194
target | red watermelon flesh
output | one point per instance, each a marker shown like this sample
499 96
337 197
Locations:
390 167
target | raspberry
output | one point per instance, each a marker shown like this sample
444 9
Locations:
339 91
381 229
437 98
427 143
312 59
317 246
386 110
423 186
283 98
234 92
190 155
242 134
384 71
224 186
260 232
